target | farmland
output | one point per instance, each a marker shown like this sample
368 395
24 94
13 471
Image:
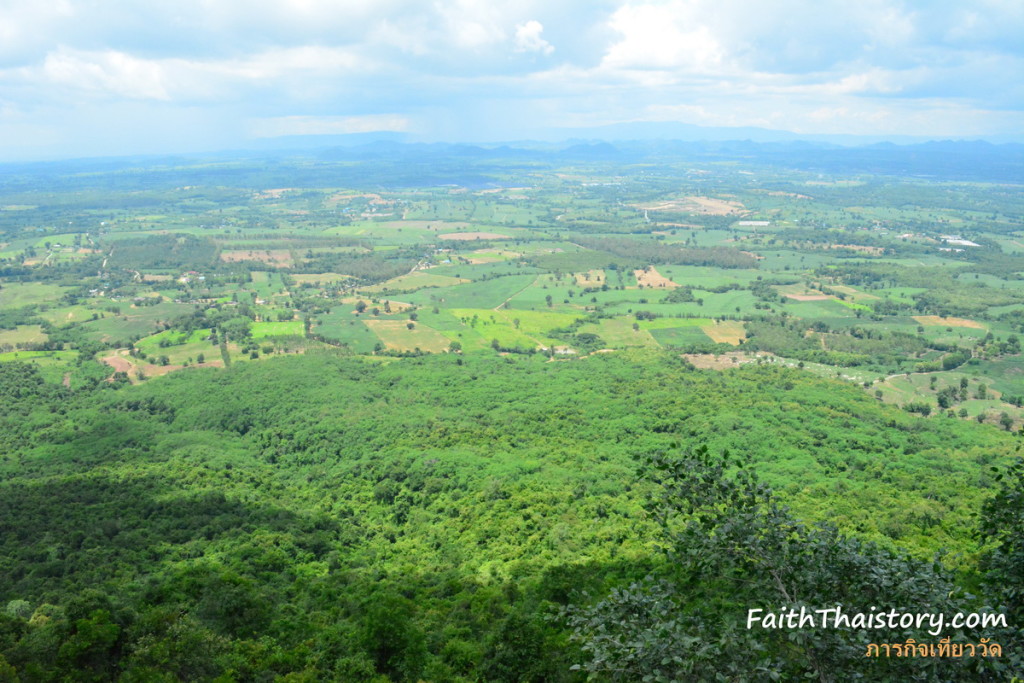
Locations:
560 262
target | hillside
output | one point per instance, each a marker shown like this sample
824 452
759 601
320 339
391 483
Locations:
333 517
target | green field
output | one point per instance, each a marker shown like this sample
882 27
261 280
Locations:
261 330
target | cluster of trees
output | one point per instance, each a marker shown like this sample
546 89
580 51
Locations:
854 346
736 555
368 268
331 518
652 251
179 252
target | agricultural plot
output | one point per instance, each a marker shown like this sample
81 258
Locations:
650 278
473 235
320 279
19 294
491 325
591 278
342 328
178 348
938 321
133 323
486 293
413 281
619 333
726 332
21 335
279 258
398 336
291 328
490 256
818 309
680 336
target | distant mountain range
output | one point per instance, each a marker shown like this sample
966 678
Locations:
398 160
620 132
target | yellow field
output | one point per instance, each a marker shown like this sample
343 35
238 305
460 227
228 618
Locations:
591 278
650 277
274 257
396 335
466 236
726 332
948 322
322 278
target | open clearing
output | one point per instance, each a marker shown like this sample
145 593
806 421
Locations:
274 257
855 294
466 236
877 251
120 361
651 278
726 332
591 278
414 281
708 206
23 334
948 322
427 225
396 335
723 361
320 278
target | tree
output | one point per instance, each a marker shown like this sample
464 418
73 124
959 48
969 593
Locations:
732 548
1002 519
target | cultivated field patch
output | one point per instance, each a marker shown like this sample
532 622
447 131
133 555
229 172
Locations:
709 206
320 278
723 361
280 258
726 332
414 281
23 334
466 236
591 278
650 278
287 328
948 322
855 294
396 335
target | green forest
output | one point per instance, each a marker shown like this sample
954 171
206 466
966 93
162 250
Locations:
329 517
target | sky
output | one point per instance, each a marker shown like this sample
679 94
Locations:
115 77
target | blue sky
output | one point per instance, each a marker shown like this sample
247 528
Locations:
99 77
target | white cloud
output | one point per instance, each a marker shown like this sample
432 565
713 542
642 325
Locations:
492 65
528 38
664 36
109 72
